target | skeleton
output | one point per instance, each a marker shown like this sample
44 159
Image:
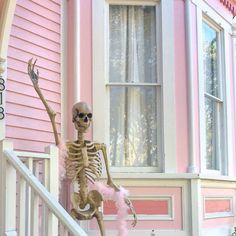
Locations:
83 163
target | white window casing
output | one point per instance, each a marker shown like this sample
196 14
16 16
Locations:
164 15
206 14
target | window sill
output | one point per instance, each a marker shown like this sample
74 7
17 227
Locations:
169 176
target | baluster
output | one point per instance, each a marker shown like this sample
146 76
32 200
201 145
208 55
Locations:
22 207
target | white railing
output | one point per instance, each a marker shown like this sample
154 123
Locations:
29 205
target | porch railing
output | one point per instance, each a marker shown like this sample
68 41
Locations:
29 195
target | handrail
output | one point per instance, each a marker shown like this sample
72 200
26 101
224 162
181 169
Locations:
48 199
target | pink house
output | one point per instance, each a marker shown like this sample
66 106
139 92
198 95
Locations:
160 76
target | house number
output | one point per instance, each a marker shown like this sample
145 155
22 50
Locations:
2 88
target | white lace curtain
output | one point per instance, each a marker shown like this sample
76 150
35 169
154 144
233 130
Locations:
133 108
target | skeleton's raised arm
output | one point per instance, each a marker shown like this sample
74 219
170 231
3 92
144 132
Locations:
102 147
51 113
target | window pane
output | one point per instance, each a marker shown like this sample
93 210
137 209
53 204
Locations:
212 121
133 126
132 40
210 55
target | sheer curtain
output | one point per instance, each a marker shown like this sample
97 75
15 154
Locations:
133 103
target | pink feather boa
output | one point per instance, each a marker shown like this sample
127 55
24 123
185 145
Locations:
118 197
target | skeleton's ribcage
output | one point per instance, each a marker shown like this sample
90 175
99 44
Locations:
83 159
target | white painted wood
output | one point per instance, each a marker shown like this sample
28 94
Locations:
143 232
47 198
191 110
33 155
29 164
234 60
228 161
11 233
22 206
53 186
196 207
35 205
5 218
168 80
3 67
10 188
206 13
6 18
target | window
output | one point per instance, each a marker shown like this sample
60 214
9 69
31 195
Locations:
213 97
133 77
133 86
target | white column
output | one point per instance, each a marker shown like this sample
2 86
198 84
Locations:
189 61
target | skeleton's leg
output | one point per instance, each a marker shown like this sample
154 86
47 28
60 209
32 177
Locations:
75 200
99 218
75 213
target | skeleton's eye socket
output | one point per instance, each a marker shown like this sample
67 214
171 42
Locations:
81 115
89 115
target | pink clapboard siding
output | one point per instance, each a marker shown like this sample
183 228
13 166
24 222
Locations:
35 33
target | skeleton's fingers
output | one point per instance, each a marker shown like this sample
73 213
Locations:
29 66
34 64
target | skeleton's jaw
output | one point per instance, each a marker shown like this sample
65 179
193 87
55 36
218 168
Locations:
81 128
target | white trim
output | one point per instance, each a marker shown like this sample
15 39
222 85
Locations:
100 90
64 87
229 164
191 113
134 2
218 214
8 9
6 19
142 217
196 207
168 81
206 13
134 232
3 68
213 14
234 62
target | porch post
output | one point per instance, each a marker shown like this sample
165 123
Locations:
7 193
6 16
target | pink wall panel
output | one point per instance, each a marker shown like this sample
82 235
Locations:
218 200
35 34
142 193
148 207
212 206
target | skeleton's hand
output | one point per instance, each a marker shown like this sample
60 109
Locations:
130 205
112 185
33 76
127 201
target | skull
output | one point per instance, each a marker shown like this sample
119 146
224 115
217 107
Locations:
82 116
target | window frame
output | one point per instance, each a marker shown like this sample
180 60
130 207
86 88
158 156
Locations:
167 162
206 14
